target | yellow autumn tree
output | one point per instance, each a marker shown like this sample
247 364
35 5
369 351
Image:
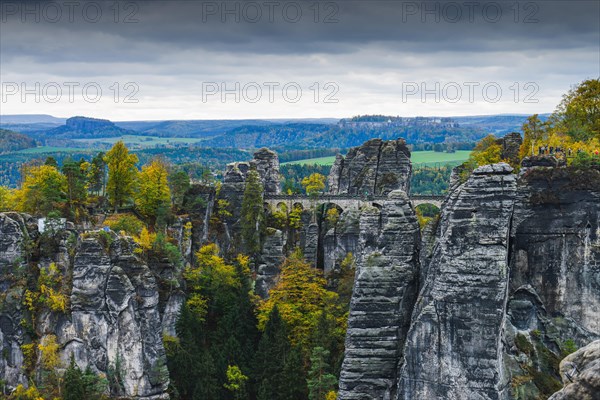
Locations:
301 296
211 275
487 151
578 114
314 184
121 174
535 134
574 126
153 197
7 199
43 190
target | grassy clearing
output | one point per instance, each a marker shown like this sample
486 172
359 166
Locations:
436 157
310 161
422 158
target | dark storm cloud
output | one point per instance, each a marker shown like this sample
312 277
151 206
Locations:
342 26
369 47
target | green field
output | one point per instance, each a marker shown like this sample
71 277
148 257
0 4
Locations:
432 157
319 161
421 158
141 141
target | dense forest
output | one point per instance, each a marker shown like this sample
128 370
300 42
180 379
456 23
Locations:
14 141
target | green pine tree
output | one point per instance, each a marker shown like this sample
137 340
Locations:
271 356
73 382
294 376
252 215
320 380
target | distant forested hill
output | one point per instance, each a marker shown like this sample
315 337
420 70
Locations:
341 136
284 135
14 141
192 128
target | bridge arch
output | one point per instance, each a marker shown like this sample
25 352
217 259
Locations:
345 202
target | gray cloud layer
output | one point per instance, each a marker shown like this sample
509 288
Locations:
370 49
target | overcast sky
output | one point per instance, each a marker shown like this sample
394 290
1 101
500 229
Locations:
293 59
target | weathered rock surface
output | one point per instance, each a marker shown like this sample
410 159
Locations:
375 168
267 165
556 250
384 293
342 239
14 233
453 348
580 372
510 285
272 256
113 321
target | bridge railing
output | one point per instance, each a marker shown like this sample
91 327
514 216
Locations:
334 197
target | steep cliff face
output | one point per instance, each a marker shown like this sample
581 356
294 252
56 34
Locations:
453 348
113 319
384 293
341 239
375 168
510 287
14 234
555 275
556 246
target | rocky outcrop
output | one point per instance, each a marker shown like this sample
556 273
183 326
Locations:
384 293
341 239
375 168
272 256
510 286
14 234
453 348
113 321
510 145
580 372
267 165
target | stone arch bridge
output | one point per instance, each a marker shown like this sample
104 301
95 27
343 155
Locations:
344 201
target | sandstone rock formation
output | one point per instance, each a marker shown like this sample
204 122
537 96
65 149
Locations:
452 347
272 256
114 321
267 165
580 372
384 293
511 144
510 286
375 168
